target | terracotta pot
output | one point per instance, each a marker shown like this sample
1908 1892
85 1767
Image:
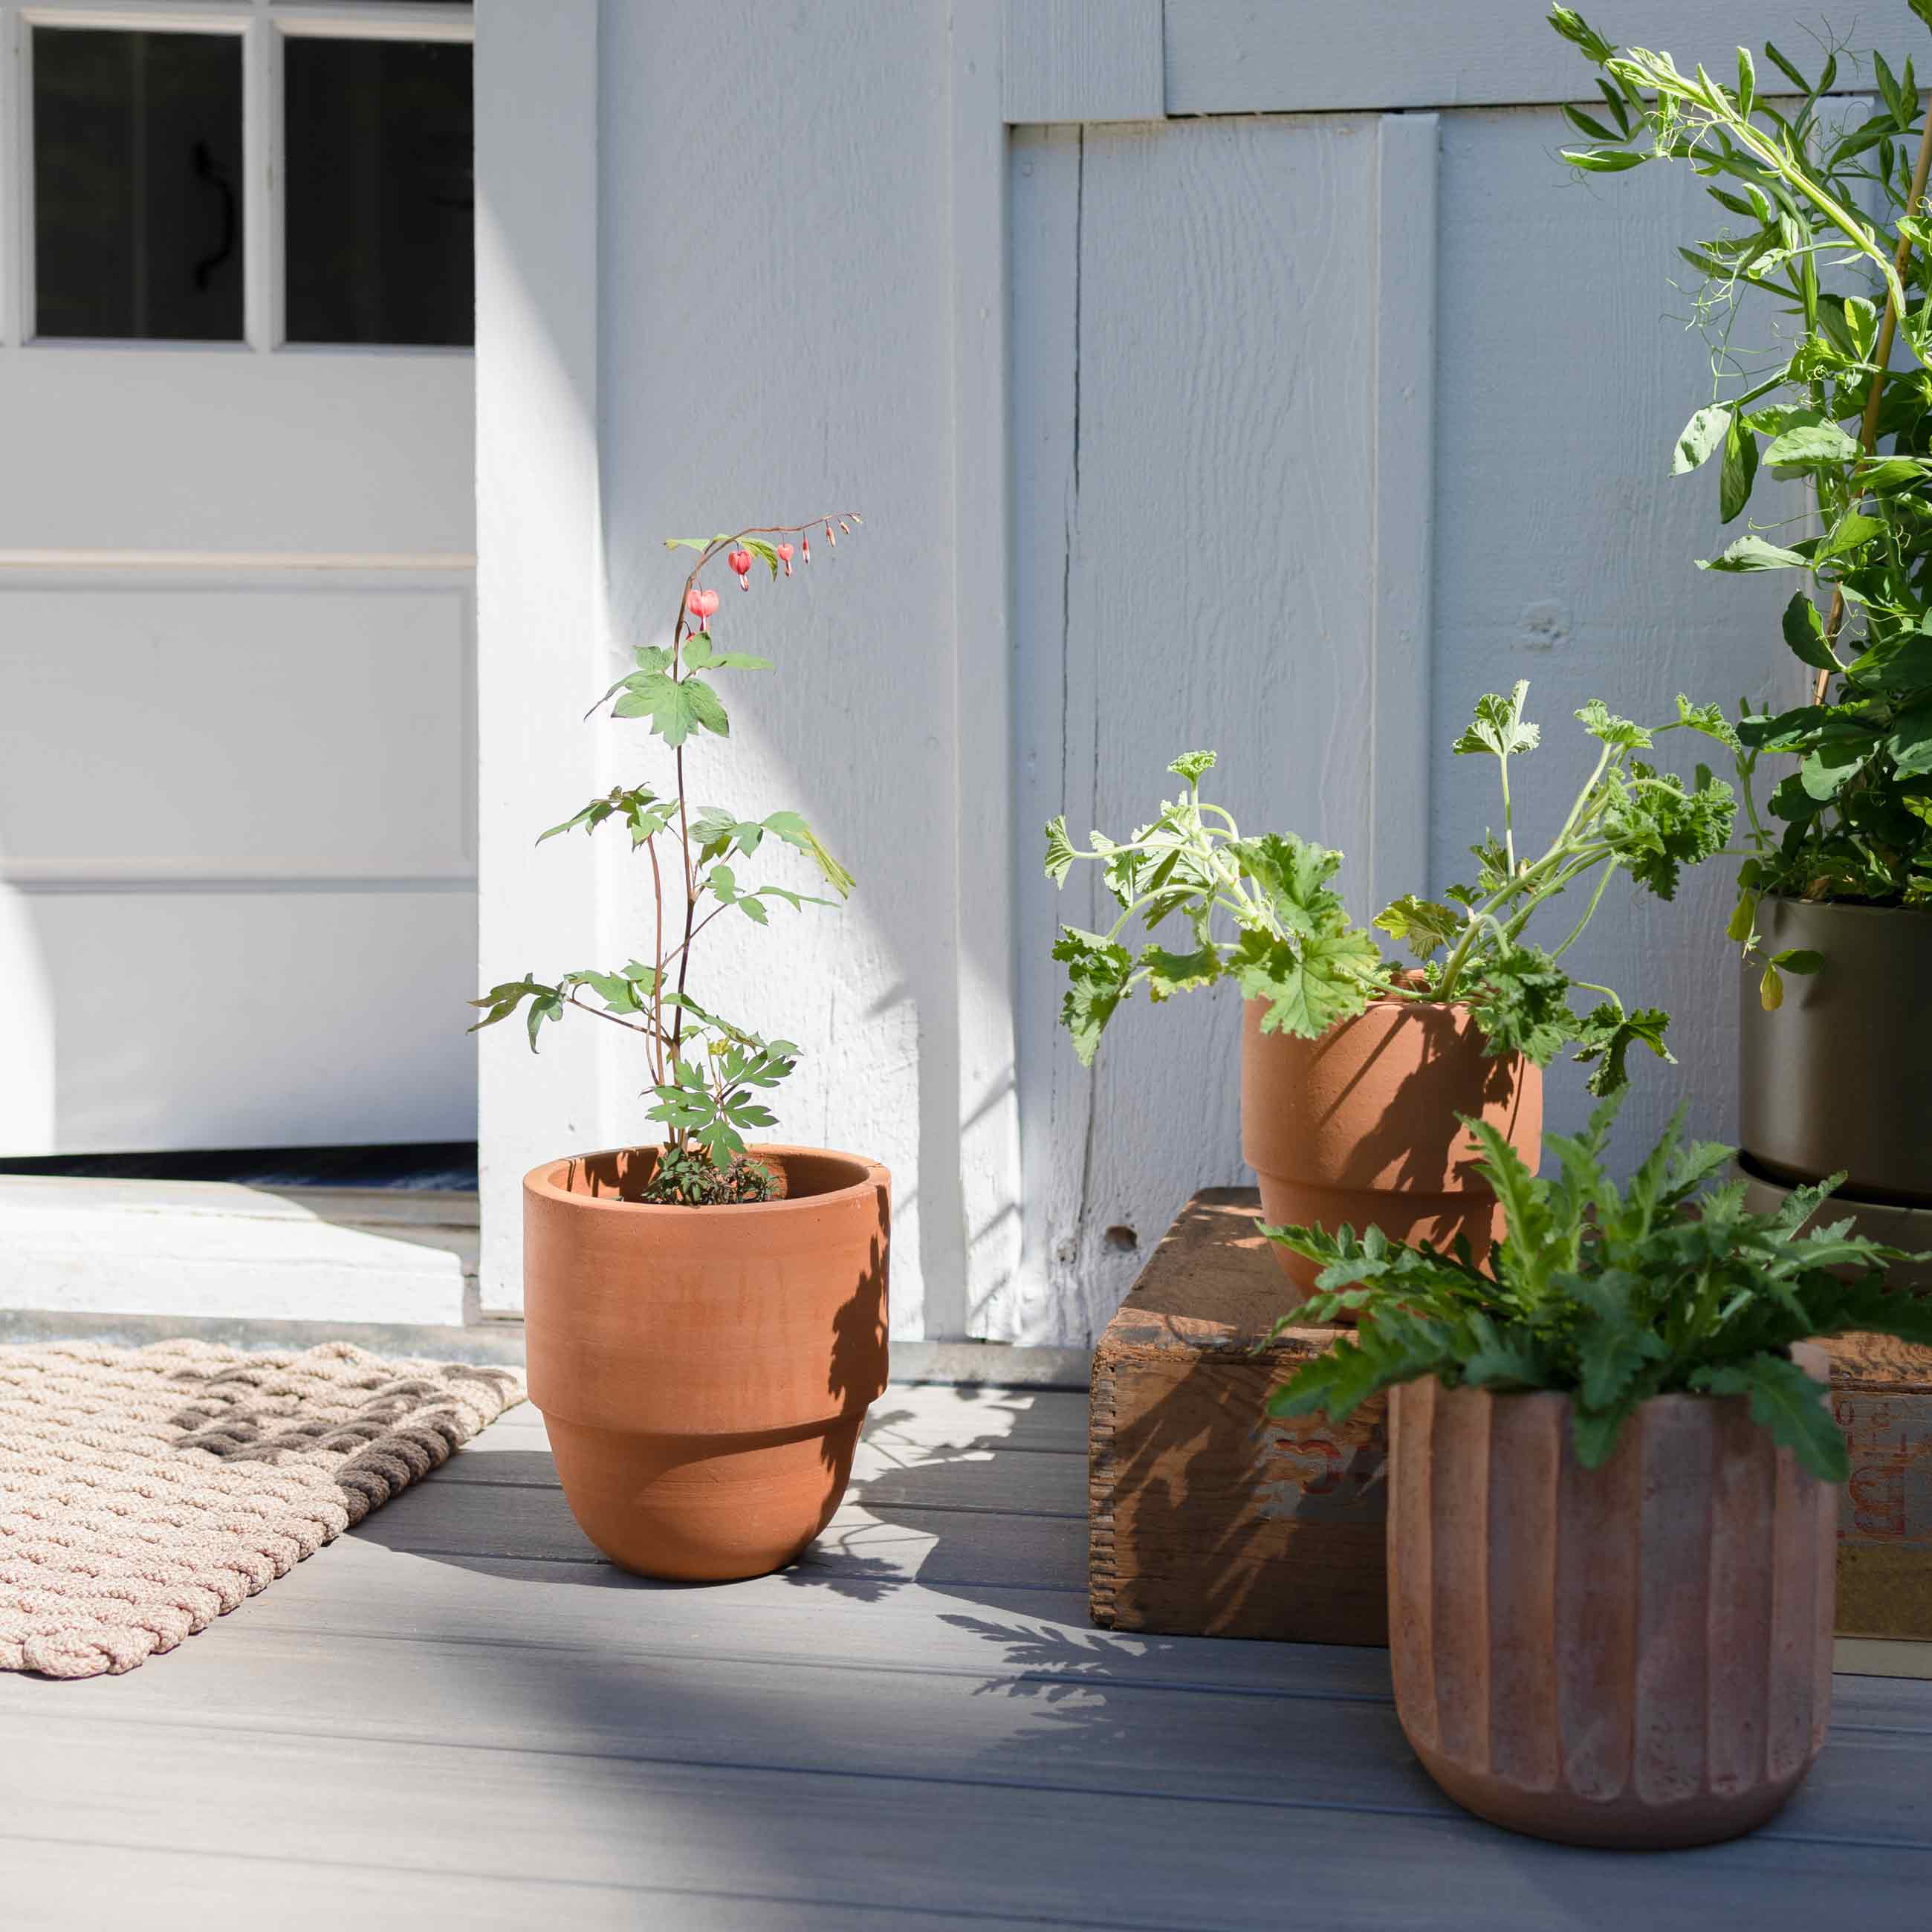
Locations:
1360 1125
704 1371
1638 1655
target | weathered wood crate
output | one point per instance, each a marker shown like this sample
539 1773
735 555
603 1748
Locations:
1207 1517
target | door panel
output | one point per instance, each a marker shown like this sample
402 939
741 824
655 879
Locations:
297 730
289 1018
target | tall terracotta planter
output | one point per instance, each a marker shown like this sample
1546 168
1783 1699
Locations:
1360 1125
704 1371
1638 1655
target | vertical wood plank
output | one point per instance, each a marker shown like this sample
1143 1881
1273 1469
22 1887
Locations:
262 197
986 1104
1083 60
1192 390
1053 721
540 609
1396 850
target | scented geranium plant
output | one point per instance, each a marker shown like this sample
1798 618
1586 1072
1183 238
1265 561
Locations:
1812 292
1607 1294
1263 911
706 1072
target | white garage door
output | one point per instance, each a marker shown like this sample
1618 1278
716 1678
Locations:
237 870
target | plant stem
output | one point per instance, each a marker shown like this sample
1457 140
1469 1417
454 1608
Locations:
1589 913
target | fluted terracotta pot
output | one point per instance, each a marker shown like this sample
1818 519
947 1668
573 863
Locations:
1360 1126
703 1372
1636 1656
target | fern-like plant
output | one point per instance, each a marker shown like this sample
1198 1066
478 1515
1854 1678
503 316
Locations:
1609 1295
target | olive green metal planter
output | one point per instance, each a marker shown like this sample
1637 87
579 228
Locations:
1839 1077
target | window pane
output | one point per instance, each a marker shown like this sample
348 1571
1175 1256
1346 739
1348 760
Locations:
137 184
380 195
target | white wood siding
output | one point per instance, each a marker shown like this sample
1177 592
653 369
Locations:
1318 425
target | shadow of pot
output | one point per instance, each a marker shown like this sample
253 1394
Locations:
1360 1126
704 1371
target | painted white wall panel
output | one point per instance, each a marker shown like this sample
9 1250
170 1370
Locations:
1193 390
298 731
217 449
1281 56
245 1019
774 341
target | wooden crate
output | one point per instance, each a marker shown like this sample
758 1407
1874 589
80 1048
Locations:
1207 1517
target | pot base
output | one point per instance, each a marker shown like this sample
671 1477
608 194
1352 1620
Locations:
1623 1824
703 1509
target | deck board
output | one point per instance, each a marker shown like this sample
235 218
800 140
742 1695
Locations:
460 1710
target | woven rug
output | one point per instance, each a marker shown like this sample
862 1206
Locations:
144 1492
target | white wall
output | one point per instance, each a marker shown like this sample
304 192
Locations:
1300 430
774 300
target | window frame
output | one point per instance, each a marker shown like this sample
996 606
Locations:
263 26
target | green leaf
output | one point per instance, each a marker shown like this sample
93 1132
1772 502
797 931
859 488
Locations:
698 655
1602 160
1059 853
1601 722
1709 719
1422 925
793 830
1190 765
1753 553
675 707
1293 875
1910 743
1606 1035
1811 445
1737 472
1097 973
1309 990
1170 972
1852 532
1519 1004
1699 440
1798 959
1805 632
1499 726
1789 1403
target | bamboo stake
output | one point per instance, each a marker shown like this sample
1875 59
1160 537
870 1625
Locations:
1888 329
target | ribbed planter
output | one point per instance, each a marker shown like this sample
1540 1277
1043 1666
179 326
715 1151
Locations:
1638 1655
704 1371
1360 1125
1839 1077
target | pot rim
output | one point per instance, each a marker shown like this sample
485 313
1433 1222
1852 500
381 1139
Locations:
1850 908
538 1182
1383 1003
1818 1366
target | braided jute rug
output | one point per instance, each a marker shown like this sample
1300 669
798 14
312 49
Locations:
143 1492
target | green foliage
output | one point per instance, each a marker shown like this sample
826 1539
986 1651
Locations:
1793 287
1293 945
706 1073
1608 1295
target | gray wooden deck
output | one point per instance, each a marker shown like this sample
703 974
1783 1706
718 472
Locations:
460 1716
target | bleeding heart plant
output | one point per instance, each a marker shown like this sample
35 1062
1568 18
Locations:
705 1072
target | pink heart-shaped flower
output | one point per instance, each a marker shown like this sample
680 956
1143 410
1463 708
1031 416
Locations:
700 603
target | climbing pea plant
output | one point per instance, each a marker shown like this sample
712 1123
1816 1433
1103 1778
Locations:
1815 296
706 1072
